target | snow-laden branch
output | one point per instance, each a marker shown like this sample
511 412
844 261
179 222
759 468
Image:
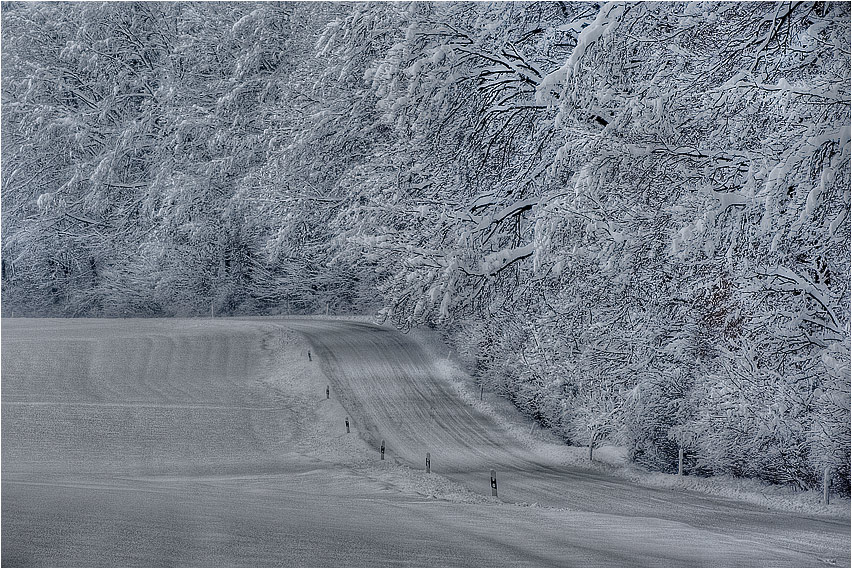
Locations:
517 208
803 284
494 263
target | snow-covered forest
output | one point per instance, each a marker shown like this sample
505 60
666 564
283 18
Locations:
633 219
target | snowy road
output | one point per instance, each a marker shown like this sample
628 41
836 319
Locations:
210 442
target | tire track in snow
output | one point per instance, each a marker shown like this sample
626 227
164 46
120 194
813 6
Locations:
240 488
380 373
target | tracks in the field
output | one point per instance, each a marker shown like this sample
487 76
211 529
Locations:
211 443
211 407
386 381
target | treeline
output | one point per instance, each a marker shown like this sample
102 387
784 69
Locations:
633 218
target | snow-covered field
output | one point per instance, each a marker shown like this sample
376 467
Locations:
211 442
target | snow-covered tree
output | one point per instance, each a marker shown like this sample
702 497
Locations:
632 218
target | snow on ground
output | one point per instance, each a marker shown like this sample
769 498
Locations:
326 439
613 460
211 442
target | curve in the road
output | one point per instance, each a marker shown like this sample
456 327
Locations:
389 384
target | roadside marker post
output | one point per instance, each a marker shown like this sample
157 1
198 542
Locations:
428 464
327 391
826 478
347 424
493 483
680 461
383 449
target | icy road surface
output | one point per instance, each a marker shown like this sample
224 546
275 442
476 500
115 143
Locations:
211 442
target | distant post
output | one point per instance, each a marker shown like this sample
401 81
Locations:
680 461
825 483
383 449
347 424
428 464
327 391
480 392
